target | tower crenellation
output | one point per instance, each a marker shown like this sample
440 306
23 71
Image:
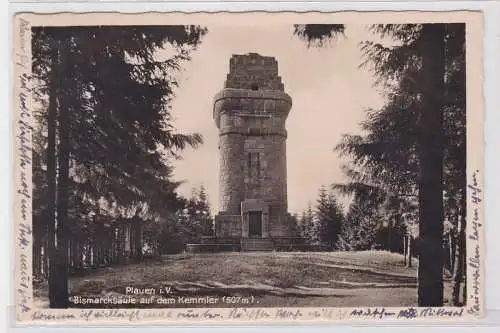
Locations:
253 72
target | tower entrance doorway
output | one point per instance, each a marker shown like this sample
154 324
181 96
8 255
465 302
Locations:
255 224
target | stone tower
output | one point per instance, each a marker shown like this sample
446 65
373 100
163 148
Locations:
250 113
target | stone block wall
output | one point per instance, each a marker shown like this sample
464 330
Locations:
248 103
253 72
265 168
231 177
228 225
278 220
252 149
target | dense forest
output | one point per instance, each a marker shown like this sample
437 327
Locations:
104 192
102 157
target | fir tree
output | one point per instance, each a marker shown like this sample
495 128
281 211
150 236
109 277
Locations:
329 215
308 226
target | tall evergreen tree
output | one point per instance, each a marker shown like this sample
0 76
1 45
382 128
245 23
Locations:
308 226
330 217
363 221
207 222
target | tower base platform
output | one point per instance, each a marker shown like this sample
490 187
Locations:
247 244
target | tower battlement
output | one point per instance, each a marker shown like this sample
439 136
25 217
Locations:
253 72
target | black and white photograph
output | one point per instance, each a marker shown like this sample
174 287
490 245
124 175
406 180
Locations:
239 164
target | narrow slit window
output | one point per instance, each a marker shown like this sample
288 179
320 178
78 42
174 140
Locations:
257 155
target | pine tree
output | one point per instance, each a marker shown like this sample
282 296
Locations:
308 226
193 220
362 222
330 217
207 222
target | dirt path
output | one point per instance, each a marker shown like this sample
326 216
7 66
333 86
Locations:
269 279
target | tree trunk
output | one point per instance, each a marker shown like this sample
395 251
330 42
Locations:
63 183
128 244
121 243
409 251
77 255
91 252
133 254
453 249
405 248
98 248
115 244
464 274
431 216
104 249
458 272
74 250
109 248
85 253
43 251
138 240
446 254
37 267
37 246
45 262
112 246
102 245
58 292
389 237
69 255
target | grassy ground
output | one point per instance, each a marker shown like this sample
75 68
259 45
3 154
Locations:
368 278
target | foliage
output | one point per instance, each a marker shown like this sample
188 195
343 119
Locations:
121 134
316 35
188 225
330 218
321 225
308 226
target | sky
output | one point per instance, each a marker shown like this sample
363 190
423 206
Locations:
329 92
